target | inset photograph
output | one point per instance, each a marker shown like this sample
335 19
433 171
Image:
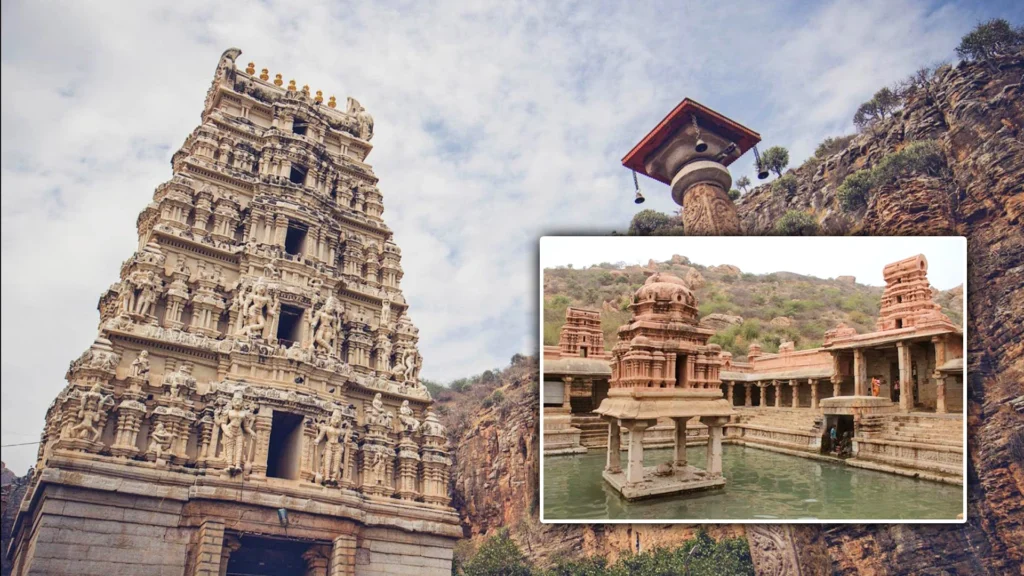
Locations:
743 379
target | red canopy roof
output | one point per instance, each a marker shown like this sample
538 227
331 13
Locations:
744 137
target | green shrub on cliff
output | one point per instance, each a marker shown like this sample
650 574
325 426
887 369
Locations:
498 556
785 186
921 157
797 223
654 223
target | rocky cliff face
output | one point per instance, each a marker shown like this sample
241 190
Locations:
977 116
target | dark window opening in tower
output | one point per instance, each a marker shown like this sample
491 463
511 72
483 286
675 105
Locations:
285 445
295 239
298 174
299 127
288 325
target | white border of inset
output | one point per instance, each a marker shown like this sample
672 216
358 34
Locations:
763 243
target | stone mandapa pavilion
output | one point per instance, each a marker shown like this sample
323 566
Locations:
788 401
251 403
663 368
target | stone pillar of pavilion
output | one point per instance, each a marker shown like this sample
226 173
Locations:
860 373
814 392
906 376
778 393
646 387
729 388
689 150
760 393
939 343
794 387
614 463
746 395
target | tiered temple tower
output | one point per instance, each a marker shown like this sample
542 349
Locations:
664 368
253 395
581 334
907 300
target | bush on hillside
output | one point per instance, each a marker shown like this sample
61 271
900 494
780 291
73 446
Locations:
734 194
498 556
797 223
921 157
785 185
775 159
832 145
654 223
989 39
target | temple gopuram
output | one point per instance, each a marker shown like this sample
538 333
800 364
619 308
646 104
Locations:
252 401
911 424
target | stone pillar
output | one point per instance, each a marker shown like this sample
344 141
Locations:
746 394
614 462
760 395
778 393
707 209
794 386
262 443
210 549
679 460
567 393
837 383
635 464
940 380
317 558
231 545
814 392
343 556
729 386
906 384
860 369
714 458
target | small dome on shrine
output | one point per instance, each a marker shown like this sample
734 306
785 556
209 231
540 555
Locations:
662 286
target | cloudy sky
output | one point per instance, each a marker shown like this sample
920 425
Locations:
494 124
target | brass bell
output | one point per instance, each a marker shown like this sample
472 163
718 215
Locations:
639 198
701 146
762 172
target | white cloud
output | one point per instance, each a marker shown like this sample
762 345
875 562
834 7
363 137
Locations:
495 123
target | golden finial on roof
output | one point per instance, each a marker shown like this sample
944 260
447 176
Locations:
291 85
251 68
332 102
305 88
265 75
319 97
277 80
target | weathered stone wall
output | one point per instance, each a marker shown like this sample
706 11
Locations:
87 533
383 552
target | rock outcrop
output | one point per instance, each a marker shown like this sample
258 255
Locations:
718 321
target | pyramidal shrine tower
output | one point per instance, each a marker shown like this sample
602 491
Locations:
251 404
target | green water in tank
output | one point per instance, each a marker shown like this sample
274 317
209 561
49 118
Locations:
761 485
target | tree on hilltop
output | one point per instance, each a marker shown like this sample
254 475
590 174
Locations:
775 159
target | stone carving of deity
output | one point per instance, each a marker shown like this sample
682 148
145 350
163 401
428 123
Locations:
160 440
407 417
236 426
375 411
385 311
140 366
325 323
337 434
173 381
364 121
379 467
90 413
147 296
181 267
256 310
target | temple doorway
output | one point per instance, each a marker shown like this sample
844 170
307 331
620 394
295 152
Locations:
259 556
681 370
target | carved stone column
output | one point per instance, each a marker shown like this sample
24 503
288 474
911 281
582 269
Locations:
940 380
408 465
343 556
262 443
837 383
614 463
708 211
746 395
778 393
788 550
860 373
679 459
906 377
635 458
729 386
760 394
794 386
714 447
317 558
814 392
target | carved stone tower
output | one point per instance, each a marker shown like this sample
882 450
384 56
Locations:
663 368
253 395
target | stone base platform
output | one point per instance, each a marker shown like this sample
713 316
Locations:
858 405
690 479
